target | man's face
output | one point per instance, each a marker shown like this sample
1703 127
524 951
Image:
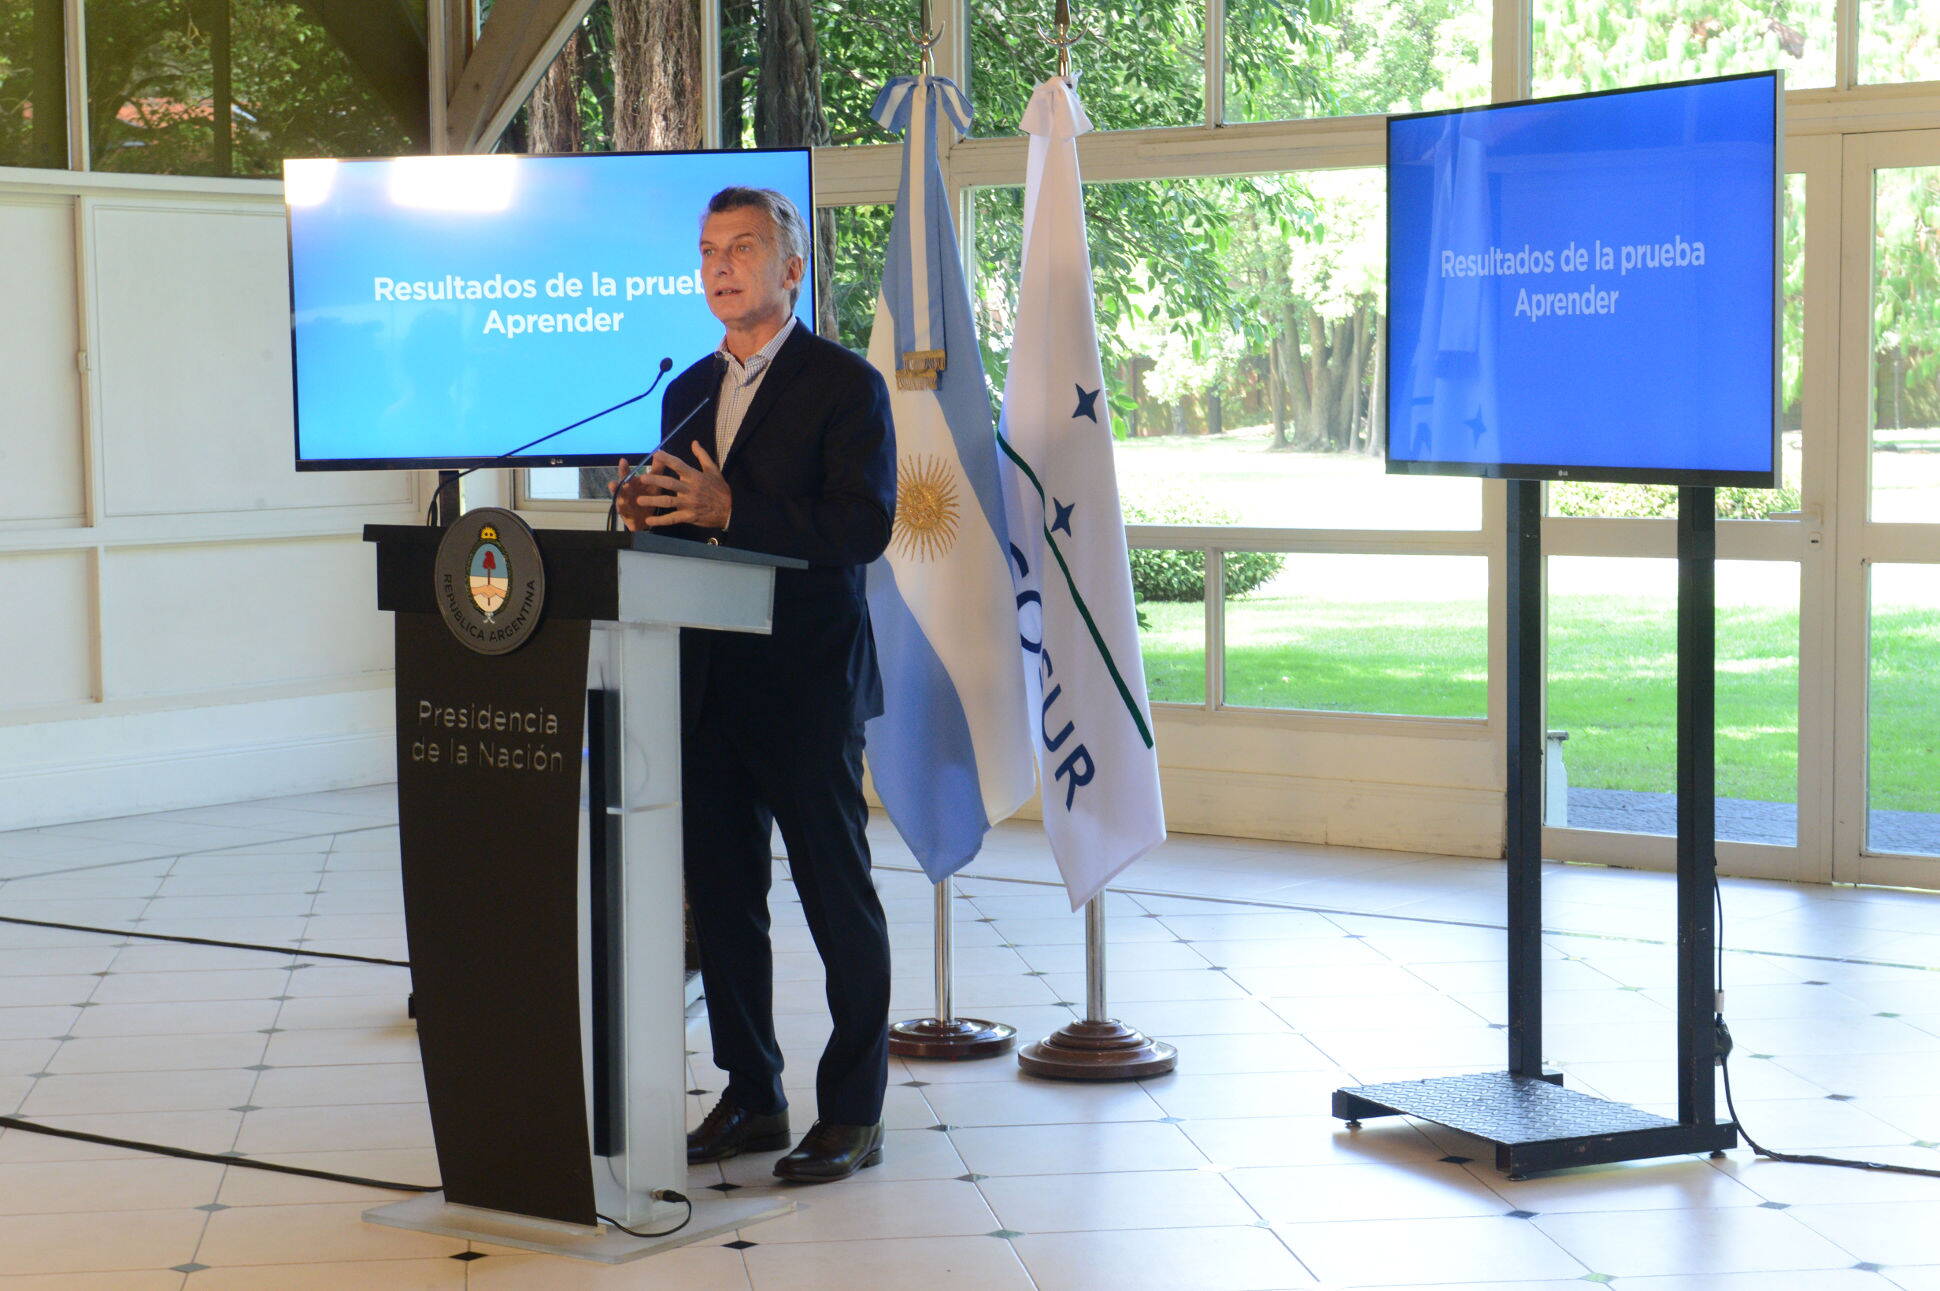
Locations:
747 273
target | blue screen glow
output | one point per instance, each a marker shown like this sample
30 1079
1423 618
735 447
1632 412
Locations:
448 309
1586 288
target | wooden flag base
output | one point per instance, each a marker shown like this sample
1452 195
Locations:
1107 1050
950 1038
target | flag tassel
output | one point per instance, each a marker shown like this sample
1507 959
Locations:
919 369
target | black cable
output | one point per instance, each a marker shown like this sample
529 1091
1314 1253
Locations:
665 1194
1724 1069
189 1154
207 941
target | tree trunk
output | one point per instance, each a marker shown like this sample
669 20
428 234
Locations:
1343 365
656 75
1320 387
552 123
213 17
1276 384
737 31
47 55
1377 389
1357 397
1215 414
1297 365
788 114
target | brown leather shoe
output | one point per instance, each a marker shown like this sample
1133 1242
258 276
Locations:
729 1131
829 1152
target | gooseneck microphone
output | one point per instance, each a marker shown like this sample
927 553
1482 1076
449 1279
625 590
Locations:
666 366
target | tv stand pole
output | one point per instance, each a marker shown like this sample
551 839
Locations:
1534 1123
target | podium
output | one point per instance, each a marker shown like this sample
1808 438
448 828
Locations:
540 836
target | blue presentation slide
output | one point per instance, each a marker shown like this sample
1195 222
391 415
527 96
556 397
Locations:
449 309
1586 287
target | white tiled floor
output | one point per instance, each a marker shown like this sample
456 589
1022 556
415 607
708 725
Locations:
1281 972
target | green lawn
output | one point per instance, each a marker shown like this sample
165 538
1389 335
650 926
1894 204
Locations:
1613 681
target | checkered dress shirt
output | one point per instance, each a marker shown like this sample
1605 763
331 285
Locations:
739 381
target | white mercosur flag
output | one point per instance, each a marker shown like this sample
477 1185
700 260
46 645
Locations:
951 753
1097 765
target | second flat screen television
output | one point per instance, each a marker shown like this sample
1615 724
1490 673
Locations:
1587 288
446 310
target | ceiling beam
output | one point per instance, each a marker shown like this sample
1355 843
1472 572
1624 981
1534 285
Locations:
517 44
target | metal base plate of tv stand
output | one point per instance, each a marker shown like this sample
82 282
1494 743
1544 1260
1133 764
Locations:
1533 1121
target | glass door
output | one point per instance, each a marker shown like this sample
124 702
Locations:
1612 626
1887 688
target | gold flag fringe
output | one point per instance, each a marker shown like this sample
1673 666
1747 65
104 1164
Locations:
919 369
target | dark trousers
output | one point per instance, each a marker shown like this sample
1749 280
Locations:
736 781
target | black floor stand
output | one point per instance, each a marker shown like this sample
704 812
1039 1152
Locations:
1533 1121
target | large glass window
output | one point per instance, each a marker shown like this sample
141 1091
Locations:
1240 325
1606 44
232 87
1906 345
1402 635
1903 711
33 85
1899 40
1145 65
1613 694
1358 56
769 48
1169 591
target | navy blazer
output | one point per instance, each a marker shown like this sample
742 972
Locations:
812 474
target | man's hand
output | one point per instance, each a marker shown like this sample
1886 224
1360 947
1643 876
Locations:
634 493
687 494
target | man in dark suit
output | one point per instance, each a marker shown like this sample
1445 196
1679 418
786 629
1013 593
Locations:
794 457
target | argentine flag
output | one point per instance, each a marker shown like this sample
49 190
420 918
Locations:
951 753
1096 757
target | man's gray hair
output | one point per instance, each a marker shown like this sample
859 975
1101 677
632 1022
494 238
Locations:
791 233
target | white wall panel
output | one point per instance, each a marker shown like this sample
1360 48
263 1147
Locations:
46 635
193 330
211 617
194 755
40 409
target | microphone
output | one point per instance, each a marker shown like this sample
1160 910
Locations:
666 366
613 508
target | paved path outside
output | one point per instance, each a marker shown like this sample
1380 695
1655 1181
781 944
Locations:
1741 820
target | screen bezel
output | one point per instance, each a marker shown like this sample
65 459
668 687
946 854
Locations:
1766 479
522 460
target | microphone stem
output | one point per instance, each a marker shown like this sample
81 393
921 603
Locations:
452 483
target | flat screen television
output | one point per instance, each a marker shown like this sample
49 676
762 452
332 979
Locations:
1587 288
445 310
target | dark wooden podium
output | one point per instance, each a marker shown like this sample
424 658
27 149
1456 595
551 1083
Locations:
540 832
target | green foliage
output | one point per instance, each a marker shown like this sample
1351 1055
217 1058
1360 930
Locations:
861 243
1145 69
1607 44
151 86
32 129
1906 297
1159 575
1586 498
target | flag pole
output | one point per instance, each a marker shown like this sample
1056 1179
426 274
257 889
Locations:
1099 1047
945 1035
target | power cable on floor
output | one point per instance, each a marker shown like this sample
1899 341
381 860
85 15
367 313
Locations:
660 1194
207 941
1724 1069
213 1158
